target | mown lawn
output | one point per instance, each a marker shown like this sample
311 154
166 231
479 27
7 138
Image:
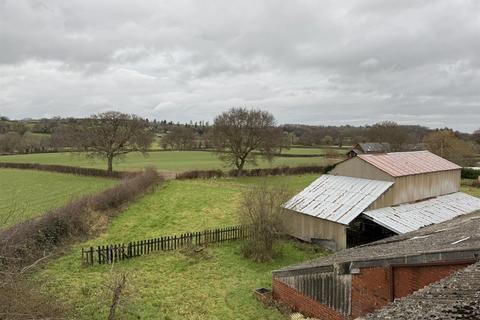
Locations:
162 160
27 193
171 285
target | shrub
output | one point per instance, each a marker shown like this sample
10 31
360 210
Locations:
20 299
468 173
200 174
261 208
68 169
257 172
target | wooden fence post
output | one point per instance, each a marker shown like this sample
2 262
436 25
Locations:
116 252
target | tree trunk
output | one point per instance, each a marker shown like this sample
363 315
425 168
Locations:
110 163
240 167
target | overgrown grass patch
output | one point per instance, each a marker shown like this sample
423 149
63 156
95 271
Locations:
25 194
171 285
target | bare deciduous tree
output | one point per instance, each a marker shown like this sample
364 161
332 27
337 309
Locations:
476 136
181 138
109 135
239 134
388 131
117 285
445 144
261 208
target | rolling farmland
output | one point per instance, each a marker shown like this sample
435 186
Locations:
27 193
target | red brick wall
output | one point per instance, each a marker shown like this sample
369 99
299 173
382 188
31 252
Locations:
370 290
407 279
302 303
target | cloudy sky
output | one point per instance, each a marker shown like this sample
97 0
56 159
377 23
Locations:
313 62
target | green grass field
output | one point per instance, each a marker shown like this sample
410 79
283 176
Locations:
468 188
26 193
162 160
170 285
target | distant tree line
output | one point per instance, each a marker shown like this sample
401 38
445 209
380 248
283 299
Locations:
47 135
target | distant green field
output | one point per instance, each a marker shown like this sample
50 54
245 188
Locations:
304 151
25 194
162 160
170 285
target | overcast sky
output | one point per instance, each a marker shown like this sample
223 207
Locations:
312 62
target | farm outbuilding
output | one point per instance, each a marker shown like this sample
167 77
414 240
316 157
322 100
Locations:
368 147
355 282
385 193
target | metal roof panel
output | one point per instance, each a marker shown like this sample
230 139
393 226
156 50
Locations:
399 164
410 217
337 198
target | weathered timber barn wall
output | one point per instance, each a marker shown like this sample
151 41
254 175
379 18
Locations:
306 227
409 188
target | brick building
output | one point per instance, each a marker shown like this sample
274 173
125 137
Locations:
452 298
358 281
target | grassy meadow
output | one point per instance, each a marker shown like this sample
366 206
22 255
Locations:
172 161
26 194
171 285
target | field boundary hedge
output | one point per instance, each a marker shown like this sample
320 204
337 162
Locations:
469 173
69 170
258 172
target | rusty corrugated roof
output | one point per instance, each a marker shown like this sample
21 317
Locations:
409 217
337 198
399 164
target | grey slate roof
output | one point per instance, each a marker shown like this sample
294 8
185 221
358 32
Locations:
453 298
460 234
374 147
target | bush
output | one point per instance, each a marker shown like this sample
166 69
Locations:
20 299
68 169
261 208
468 173
257 172
200 174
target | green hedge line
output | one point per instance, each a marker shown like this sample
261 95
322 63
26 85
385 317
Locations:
277 171
68 169
468 173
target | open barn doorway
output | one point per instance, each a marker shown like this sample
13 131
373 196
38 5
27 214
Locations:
362 231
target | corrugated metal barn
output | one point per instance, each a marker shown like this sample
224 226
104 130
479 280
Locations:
411 189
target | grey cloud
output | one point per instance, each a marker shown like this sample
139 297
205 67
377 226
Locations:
306 61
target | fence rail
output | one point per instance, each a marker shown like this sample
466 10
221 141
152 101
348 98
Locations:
112 253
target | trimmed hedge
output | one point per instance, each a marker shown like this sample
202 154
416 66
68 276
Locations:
259 172
468 173
68 169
